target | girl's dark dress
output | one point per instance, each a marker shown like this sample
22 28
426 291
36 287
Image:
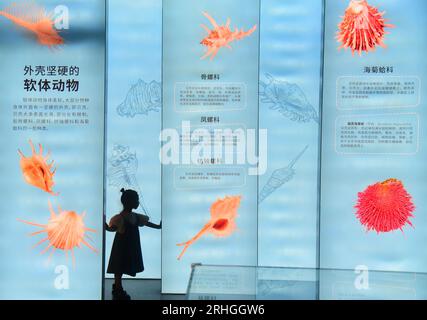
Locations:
126 255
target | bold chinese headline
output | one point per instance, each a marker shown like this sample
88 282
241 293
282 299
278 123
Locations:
42 78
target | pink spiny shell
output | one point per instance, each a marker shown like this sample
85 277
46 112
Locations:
362 27
385 206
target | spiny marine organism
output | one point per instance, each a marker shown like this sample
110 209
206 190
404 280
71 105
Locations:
65 231
288 99
36 20
222 222
221 36
142 98
122 170
279 178
36 171
385 206
362 28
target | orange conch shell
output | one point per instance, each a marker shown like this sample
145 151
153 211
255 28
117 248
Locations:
36 171
221 36
65 231
35 19
222 222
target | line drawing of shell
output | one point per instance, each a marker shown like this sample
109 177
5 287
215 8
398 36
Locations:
274 287
122 169
142 98
280 177
287 98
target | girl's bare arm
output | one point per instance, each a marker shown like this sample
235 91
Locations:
113 225
144 220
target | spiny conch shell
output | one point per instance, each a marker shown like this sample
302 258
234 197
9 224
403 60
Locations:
221 36
142 98
35 19
288 99
36 171
222 223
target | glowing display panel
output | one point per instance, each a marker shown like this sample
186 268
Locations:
134 117
290 66
210 83
52 97
374 146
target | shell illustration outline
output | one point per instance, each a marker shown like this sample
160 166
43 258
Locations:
280 177
141 99
288 99
122 171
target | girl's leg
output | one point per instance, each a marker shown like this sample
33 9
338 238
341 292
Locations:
118 292
118 281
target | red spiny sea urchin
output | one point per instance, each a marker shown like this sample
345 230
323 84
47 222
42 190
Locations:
385 206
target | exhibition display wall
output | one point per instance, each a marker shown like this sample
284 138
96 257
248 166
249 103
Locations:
277 137
134 105
373 144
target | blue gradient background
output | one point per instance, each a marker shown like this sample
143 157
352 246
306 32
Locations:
291 39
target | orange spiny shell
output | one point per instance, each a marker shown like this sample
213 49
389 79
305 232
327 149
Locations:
223 215
47 34
36 171
35 19
65 231
222 222
221 36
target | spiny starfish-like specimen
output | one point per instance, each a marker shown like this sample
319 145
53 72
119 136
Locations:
221 36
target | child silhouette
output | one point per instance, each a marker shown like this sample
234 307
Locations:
126 255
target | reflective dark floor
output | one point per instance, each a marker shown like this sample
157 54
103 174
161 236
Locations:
141 290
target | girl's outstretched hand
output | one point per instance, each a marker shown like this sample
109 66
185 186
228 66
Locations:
110 229
153 225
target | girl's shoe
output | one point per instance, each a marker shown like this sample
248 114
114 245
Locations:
120 294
